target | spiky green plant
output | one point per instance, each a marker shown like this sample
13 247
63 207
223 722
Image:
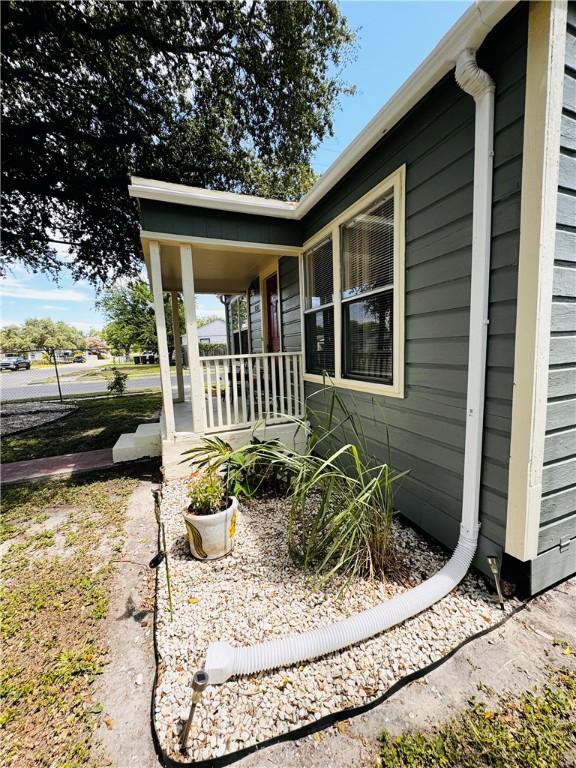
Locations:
342 499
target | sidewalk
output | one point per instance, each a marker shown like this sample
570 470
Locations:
55 466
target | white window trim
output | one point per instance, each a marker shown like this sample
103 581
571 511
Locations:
396 182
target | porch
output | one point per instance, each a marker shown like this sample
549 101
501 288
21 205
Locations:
235 396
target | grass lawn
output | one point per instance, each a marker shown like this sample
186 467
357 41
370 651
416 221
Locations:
129 368
535 730
53 606
97 423
103 373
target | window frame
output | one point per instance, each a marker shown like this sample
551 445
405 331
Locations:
321 307
394 183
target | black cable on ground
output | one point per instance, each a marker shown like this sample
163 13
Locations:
317 725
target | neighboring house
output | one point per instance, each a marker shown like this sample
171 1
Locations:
430 272
211 333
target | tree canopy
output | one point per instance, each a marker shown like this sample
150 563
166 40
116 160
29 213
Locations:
40 333
130 312
226 95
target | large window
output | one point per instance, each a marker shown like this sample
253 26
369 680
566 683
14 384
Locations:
319 308
354 294
367 277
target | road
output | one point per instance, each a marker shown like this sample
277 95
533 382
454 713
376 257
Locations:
23 385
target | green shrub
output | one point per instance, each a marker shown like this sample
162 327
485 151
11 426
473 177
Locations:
117 381
342 500
248 470
206 493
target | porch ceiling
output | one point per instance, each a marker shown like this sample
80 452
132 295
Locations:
217 268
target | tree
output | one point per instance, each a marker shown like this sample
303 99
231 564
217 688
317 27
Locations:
226 95
40 333
130 311
96 345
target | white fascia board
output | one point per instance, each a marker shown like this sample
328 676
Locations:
468 32
206 198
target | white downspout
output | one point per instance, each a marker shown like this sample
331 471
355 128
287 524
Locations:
224 660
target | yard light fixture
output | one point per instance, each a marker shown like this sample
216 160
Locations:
199 683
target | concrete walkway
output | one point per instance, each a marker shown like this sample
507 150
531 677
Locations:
55 466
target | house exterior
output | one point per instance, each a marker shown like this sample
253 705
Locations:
431 267
212 338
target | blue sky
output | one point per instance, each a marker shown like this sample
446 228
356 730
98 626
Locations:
393 38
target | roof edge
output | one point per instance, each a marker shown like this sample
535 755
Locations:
468 32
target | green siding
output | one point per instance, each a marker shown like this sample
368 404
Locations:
225 225
427 427
290 304
558 511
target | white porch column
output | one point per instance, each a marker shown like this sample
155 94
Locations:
165 380
196 380
177 346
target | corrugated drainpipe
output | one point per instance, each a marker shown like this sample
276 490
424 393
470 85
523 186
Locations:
224 660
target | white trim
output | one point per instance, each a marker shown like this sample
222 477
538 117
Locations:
177 344
151 189
220 244
468 32
162 339
195 371
396 183
540 170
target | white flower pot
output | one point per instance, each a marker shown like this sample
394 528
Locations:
212 536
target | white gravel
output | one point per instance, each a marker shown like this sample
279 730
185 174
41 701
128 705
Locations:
257 593
17 417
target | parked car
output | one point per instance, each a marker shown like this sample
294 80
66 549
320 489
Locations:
79 359
14 364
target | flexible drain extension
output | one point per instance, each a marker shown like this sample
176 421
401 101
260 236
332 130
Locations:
224 660
199 683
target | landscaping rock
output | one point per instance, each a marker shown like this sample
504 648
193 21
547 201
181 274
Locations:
256 593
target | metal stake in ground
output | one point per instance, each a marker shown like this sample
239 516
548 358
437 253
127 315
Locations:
199 683
57 374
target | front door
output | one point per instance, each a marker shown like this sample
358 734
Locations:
273 344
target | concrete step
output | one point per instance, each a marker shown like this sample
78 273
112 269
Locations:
127 449
148 435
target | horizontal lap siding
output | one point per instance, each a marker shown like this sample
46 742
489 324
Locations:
427 428
558 511
290 304
221 225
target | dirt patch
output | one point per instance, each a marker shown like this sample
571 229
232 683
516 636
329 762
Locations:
54 612
124 731
19 417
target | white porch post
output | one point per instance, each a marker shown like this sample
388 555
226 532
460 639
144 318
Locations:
165 380
177 346
196 381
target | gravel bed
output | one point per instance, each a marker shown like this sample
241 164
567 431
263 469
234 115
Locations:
18 417
257 593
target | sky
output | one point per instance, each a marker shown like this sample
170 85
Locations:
393 39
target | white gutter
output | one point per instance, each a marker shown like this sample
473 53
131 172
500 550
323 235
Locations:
468 32
224 660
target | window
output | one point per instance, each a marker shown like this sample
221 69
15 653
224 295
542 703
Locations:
353 294
319 308
367 293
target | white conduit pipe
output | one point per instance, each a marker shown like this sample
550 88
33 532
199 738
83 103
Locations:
224 660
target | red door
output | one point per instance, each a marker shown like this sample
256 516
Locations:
272 314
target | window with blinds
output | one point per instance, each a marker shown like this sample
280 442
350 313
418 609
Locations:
367 293
319 308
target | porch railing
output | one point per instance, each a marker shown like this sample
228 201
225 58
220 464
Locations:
241 390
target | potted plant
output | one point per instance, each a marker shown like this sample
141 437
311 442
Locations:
210 517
